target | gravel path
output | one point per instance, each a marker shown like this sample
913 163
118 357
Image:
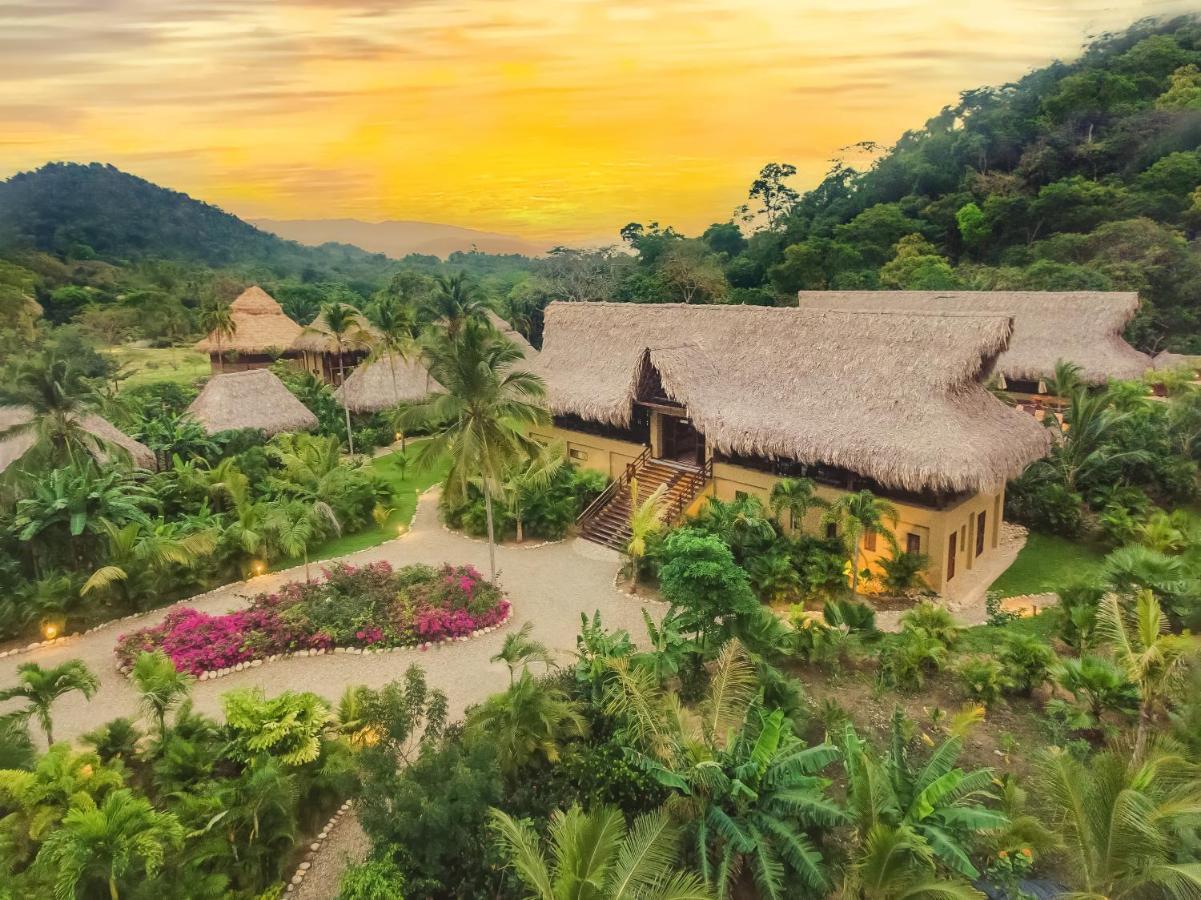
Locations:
549 586
347 844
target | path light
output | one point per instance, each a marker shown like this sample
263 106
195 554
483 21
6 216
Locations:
260 567
401 529
49 631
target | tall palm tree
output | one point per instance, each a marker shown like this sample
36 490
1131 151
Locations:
41 687
112 846
455 303
216 317
795 496
520 649
479 421
1150 656
295 526
1085 448
595 856
646 518
160 687
343 324
857 514
396 322
1066 380
1119 820
528 720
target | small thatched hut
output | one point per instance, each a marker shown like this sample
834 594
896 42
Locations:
385 382
319 349
1081 327
1166 360
18 442
255 398
262 333
894 403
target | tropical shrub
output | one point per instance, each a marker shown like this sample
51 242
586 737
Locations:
984 678
1026 662
903 571
376 879
369 606
548 511
1042 502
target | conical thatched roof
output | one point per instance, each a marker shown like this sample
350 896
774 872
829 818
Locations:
260 326
512 334
317 338
1082 327
897 398
1167 360
370 388
252 399
17 445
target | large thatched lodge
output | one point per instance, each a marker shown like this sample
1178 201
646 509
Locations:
1081 327
723 400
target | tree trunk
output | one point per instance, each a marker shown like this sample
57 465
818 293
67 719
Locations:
112 888
633 574
855 568
1144 725
520 527
345 409
491 532
307 579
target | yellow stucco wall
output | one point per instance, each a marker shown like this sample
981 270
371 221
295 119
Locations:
932 526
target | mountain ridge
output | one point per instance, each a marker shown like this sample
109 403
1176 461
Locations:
397 238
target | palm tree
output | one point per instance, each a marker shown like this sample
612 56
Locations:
796 496
216 317
294 527
455 304
532 474
646 518
1067 379
343 324
160 687
860 513
1119 821
1085 449
528 720
1152 658
480 419
136 552
112 846
395 321
520 649
595 856
41 687
893 863
57 395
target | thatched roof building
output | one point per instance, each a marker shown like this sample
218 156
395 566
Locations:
513 335
1082 327
317 337
1166 360
255 398
897 398
18 443
371 388
260 327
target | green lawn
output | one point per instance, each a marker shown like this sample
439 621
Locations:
146 365
1048 563
406 483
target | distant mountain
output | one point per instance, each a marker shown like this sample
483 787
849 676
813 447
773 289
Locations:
96 210
399 238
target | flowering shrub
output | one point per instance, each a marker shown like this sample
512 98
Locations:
367 606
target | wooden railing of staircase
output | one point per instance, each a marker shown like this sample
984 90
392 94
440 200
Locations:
694 481
618 485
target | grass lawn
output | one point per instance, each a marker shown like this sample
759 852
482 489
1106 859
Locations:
406 483
1048 563
147 365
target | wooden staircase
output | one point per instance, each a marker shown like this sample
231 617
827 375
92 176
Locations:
607 520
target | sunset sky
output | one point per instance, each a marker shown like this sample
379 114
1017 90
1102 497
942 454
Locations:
549 119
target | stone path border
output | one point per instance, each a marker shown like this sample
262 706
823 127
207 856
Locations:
303 869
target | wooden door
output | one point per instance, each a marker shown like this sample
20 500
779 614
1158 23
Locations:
951 548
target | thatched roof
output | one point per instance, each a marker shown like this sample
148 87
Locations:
1167 360
317 338
17 445
1082 327
255 398
896 397
512 334
370 387
260 326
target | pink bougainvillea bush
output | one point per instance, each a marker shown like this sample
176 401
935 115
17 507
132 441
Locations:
366 606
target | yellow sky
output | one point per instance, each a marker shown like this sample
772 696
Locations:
549 119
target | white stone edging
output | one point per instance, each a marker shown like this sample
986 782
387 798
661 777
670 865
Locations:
306 865
508 545
641 598
210 674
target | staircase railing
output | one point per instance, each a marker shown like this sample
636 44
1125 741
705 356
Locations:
692 482
615 487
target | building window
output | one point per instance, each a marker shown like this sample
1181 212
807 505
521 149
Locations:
913 544
980 523
740 495
577 454
869 540
951 556
831 530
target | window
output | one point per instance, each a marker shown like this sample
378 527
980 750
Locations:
951 556
577 454
980 523
913 543
831 531
869 540
740 495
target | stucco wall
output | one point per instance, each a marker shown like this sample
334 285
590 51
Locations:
932 526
